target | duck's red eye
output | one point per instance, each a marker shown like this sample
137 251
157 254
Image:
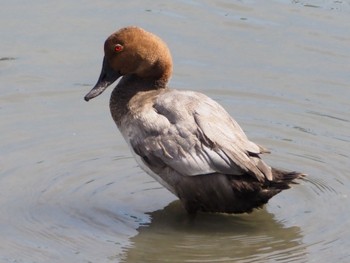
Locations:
118 48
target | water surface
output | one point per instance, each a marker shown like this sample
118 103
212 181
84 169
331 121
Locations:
70 190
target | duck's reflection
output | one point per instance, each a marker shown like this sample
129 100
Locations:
173 237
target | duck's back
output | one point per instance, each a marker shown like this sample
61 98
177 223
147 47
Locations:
189 133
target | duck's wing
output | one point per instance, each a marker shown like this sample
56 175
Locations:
194 135
226 138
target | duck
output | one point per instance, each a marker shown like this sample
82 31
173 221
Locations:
185 140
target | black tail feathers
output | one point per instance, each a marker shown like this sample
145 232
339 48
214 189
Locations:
283 179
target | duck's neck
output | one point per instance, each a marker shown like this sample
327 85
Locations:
127 88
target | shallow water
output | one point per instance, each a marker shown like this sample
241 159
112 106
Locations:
70 190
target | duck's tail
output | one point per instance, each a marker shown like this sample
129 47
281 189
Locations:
231 193
283 179
250 193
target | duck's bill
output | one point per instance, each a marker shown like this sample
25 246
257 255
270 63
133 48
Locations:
107 77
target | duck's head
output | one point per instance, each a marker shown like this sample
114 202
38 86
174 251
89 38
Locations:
133 51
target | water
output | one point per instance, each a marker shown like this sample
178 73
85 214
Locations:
70 190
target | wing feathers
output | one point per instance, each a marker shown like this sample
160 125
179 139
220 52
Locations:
200 137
